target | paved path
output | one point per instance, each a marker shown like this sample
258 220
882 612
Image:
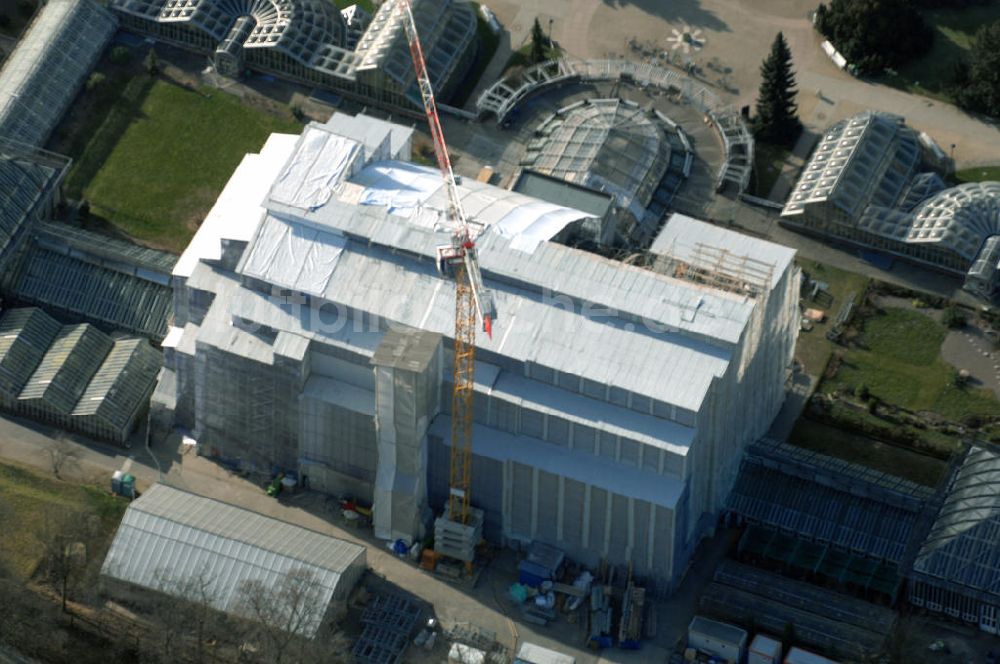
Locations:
737 35
486 605
969 349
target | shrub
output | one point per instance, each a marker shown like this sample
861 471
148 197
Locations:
121 55
864 393
973 421
151 64
953 317
96 80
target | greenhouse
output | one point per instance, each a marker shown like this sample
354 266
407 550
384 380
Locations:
74 376
29 189
615 147
867 183
310 41
957 571
91 277
51 62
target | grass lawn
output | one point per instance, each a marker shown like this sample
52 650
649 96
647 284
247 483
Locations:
901 364
768 162
978 174
856 448
169 152
813 349
28 499
954 30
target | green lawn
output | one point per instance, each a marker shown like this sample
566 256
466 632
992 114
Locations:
978 174
856 448
169 152
28 500
901 364
768 161
813 349
954 30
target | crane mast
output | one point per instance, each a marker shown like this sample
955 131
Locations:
472 300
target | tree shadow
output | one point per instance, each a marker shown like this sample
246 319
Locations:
685 11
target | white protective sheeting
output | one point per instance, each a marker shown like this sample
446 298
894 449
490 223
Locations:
319 163
238 211
529 225
407 190
397 185
293 255
168 537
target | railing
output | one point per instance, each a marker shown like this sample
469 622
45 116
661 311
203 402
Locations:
504 95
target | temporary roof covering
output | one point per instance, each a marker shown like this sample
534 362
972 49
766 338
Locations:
28 177
172 535
100 279
237 212
963 547
652 335
40 78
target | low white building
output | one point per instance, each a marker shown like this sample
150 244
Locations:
173 541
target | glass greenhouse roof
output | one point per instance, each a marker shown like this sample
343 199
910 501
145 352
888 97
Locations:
605 144
40 79
963 546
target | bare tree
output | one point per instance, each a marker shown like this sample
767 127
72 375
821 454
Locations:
69 540
187 608
61 452
286 614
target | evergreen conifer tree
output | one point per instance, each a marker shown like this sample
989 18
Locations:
539 43
776 120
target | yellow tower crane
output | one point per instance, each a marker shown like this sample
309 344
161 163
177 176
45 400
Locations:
473 302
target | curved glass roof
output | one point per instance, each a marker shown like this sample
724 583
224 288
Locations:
606 144
298 28
963 546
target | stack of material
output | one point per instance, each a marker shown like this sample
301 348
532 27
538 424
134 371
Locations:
388 621
600 617
458 540
633 607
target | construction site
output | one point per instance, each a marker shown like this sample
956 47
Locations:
494 416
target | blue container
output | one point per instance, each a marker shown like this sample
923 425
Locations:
532 574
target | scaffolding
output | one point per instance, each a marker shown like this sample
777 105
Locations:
388 622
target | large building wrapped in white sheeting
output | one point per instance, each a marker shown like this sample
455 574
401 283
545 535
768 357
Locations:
313 331
175 542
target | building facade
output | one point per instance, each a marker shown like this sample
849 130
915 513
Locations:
313 332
